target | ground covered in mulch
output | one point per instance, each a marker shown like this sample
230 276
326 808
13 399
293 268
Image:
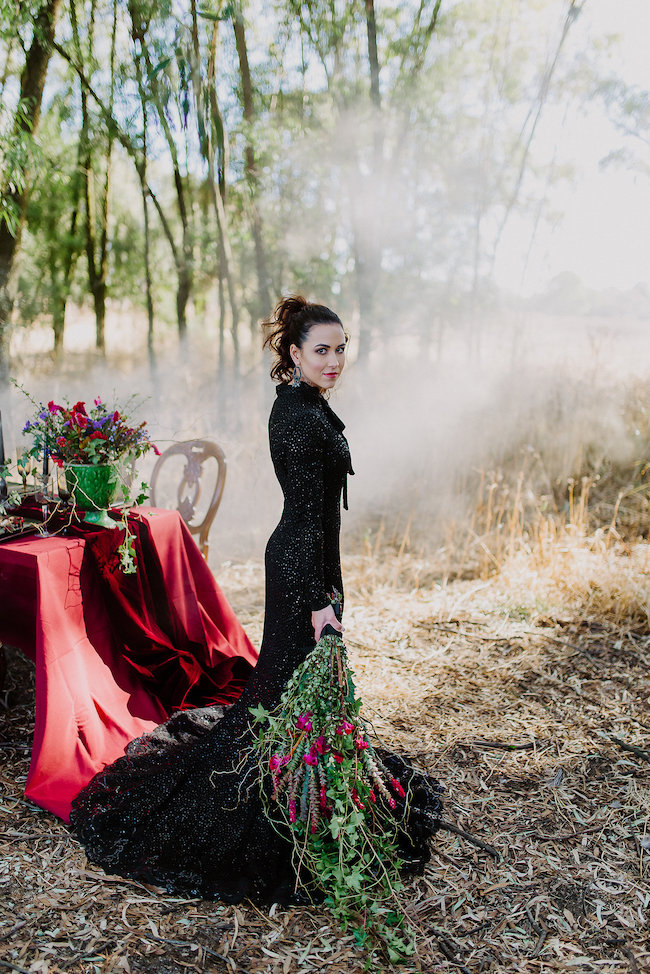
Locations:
526 693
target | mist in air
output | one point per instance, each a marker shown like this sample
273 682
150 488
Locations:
498 322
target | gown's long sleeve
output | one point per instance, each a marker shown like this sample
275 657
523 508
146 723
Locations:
300 446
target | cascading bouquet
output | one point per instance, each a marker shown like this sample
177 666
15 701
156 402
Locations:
341 803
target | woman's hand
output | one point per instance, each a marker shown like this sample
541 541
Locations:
325 617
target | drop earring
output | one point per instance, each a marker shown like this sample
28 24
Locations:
297 376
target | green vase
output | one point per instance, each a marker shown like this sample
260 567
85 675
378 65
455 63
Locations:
92 488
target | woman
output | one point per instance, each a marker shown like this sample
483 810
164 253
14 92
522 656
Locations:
186 807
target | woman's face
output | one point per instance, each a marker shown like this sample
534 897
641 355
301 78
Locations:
322 356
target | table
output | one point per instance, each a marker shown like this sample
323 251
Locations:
114 654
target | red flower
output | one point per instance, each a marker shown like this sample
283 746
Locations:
397 788
156 450
61 441
97 436
79 407
53 408
337 757
357 801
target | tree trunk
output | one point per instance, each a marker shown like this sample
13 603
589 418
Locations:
367 230
58 322
26 121
371 28
252 173
151 352
97 261
183 257
225 253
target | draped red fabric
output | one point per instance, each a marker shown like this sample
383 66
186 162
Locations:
115 654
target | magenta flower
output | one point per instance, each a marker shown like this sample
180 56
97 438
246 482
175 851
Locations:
321 745
323 797
278 761
345 727
310 758
292 811
303 722
361 744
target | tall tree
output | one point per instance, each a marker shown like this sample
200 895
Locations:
251 167
158 87
96 211
14 187
210 124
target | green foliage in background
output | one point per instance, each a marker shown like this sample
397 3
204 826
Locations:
217 154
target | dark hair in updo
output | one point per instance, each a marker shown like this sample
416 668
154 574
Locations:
289 325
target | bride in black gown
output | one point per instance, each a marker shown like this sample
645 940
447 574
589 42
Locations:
186 807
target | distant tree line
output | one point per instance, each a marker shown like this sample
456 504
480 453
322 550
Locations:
369 153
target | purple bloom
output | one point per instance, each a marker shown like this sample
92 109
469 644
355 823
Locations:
303 722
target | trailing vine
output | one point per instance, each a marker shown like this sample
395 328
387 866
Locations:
321 776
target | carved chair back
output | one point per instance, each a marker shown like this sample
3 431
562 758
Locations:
197 454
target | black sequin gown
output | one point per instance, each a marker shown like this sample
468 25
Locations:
183 809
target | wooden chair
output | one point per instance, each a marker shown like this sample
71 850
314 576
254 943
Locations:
196 453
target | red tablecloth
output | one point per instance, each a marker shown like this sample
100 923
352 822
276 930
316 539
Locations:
114 654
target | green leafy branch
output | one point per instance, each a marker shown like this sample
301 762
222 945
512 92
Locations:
329 787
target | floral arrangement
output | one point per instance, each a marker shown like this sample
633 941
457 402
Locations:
340 802
73 434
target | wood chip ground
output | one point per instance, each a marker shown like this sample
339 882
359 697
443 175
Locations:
526 694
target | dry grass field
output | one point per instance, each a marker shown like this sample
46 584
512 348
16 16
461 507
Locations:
505 648
525 690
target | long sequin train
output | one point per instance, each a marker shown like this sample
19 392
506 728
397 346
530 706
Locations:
183 809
